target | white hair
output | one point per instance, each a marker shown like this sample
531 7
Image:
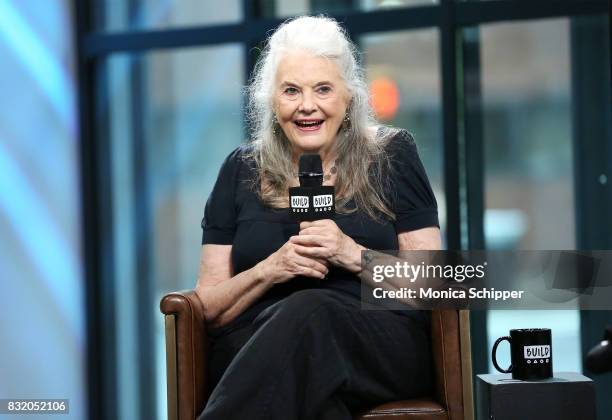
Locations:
323 37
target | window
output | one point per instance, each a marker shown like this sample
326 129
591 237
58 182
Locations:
498 96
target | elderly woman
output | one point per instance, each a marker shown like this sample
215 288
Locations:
282 299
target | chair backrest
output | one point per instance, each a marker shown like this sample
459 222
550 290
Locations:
450 337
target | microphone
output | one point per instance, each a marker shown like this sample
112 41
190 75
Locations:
311 200
311 170
599 359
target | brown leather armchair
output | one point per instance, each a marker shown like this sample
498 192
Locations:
186 345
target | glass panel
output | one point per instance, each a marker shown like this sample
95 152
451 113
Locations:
403 69
529 177
42 282
188 115
299 7
119 15
528 135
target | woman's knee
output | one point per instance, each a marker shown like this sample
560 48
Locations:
310 298
302 305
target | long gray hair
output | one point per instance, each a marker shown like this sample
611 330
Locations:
359 146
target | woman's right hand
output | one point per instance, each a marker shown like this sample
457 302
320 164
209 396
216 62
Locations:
286 264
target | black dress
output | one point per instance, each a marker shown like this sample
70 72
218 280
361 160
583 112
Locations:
306 350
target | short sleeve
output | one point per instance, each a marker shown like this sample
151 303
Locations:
219 222
413 200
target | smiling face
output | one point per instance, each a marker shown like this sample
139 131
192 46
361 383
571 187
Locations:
310 101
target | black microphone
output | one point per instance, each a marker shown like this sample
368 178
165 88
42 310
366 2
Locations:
599 359
311 170
311 200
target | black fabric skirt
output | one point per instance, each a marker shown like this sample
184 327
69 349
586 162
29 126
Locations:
316 354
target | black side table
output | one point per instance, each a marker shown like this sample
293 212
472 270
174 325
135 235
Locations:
566 396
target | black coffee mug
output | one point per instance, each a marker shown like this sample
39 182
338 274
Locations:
531 354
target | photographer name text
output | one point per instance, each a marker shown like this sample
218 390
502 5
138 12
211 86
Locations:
430 293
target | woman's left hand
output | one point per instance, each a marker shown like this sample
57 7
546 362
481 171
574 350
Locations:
324 239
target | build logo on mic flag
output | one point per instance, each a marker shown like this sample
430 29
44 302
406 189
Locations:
300 203
323 202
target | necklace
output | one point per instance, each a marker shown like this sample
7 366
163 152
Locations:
332 171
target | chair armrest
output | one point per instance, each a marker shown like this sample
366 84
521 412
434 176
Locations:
186 354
